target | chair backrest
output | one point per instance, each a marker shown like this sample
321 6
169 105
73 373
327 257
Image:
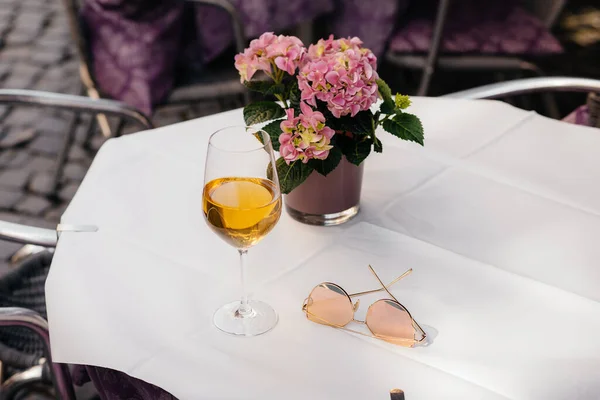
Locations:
529 85
21 317
536 85
24 287
24 334
79 33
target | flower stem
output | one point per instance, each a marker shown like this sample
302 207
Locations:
284 101
380 122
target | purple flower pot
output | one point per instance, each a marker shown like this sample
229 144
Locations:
327 200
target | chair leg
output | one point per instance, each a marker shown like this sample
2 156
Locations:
120 125
304 31
100 118
91 130
436 40
104 125
551 106
63 154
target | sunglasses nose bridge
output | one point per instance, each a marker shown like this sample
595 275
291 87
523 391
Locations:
356 305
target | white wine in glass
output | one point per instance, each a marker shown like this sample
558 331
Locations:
241 210
242 205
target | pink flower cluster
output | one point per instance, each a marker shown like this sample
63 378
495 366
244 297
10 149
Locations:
304 137
340 73
267 52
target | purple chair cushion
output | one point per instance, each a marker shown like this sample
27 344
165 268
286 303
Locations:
135 48
581 116
479 27
115 385
373 25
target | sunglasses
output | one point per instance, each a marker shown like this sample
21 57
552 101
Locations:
387 319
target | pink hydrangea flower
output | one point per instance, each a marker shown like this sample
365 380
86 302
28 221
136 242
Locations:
340 73
270 52
304 137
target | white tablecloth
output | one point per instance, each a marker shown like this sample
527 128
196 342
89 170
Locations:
498 216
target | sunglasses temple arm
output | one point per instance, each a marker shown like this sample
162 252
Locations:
423 334
404 275
382 285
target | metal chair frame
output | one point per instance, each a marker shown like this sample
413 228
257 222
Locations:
13 316
61 377
433 59
180 95
536 85
78 104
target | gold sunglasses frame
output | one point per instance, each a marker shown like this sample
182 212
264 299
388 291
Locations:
393 340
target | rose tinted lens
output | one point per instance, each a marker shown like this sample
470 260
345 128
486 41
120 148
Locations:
391 322
328 304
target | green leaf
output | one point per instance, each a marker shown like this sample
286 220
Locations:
355 150
293 94
327 165
388 105
361 124
276 89
405 126
387 108
274 130
291 176
377 145
262 111
384 90
265 87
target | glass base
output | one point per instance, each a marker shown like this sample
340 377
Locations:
261 319
324 219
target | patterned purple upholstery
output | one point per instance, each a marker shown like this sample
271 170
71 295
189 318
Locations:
259 16
374 25
135 45
138 45
479 27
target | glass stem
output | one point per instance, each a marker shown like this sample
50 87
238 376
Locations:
245 310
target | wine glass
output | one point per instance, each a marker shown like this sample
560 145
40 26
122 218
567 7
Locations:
242 203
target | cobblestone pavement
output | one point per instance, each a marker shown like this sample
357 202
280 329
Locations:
36 52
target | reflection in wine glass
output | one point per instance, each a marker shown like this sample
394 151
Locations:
242 203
